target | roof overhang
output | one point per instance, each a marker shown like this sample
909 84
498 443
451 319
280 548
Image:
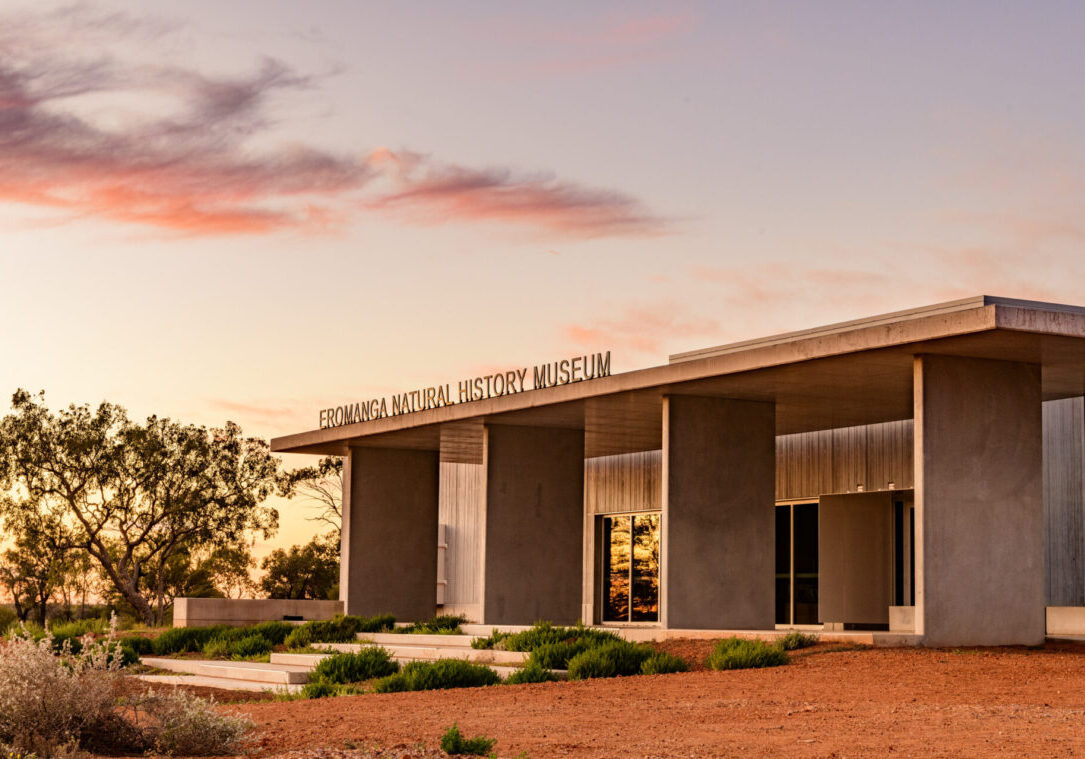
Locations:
856 372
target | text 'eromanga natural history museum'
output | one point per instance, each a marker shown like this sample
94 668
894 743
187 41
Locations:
918 473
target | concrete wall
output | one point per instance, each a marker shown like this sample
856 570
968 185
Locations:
1064 501
718 531
204 612
853 557
979 502
534 516
389 550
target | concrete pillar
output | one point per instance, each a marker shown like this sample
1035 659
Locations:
979 502
389 550
719 468
533 524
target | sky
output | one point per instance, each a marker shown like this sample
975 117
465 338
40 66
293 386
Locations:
253 210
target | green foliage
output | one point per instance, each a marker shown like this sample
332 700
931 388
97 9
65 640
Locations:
7 618
445 624
138 643
557 655
542 633
531 673
437 675
299 637
453 743
179 640
367 664
249 647
738 653
302 571
345 628
217 648
495 639
610 659
273 632
795 640
318 689
663 663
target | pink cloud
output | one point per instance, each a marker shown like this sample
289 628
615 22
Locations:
195 172
642 329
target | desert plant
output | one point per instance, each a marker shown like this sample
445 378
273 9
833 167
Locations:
542 633
345 628
437 675
557 655
663 663
453 743
273 632
178 640
795 640
138 643
185 724
7 618
217 648
444 624
368 663
299 637
738 653
249 647
531 673
495 639
611 659
319 689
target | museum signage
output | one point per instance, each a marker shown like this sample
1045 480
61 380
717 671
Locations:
563 372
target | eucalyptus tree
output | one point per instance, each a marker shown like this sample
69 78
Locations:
134 496
322 485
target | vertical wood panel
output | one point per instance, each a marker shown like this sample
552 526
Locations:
1064 501
462 512
623 482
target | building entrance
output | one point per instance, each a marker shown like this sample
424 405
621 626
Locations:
630 564
797 564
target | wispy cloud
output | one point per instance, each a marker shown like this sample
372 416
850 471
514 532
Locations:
430 192
195 171
642 329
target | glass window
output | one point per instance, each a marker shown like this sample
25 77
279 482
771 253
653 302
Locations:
797 564
631 568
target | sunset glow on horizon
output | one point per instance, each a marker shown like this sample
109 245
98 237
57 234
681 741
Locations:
257 211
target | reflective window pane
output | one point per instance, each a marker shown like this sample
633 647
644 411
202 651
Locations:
616 546
645 601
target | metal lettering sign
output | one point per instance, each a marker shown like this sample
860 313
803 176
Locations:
563 372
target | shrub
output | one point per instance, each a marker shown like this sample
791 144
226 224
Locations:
611 659
437 675
368 663
299 637
249 647
453 743
795 640
138 643
345 628
495 639
273 632
318 689
663 663
179 640
217 648
191 726
531 673
557 655
736 653
7 619
542 633
444 624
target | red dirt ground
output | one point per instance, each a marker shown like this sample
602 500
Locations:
827 703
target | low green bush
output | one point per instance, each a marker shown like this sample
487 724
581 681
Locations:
8 617
80 627
795 640
318 689
738 653
273 632
138 643
557 655
613 658
345 628
542 633
663 663
444 624
249 647
179 640
367 664
495 639
531 673
437 675
453 743
299 637
217 648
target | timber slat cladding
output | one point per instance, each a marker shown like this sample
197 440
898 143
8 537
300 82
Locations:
624 482
462 505
1064 501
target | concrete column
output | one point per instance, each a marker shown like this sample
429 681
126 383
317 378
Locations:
389 550
533 524
719 469
979 502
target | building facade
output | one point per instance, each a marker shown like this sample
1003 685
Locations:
920 472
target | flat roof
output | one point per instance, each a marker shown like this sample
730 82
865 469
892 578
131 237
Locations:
838 375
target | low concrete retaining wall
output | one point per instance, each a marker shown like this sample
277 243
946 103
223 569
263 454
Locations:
1066 620
204 612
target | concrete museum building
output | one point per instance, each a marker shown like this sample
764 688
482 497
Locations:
919 473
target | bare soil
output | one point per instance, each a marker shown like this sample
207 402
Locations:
828 703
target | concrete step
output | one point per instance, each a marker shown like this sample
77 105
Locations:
482 631
406 652
256 672
311 660
223 683
417 639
